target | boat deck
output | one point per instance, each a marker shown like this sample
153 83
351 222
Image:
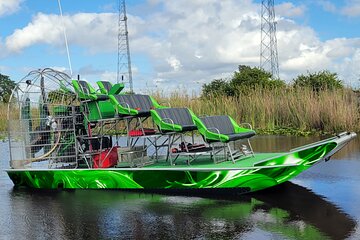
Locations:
204 162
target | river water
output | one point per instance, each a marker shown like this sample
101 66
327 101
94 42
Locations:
321 203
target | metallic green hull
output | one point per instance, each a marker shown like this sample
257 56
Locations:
246 180
246 175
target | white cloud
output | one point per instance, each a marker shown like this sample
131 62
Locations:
174 63
109 76
8 7
230 35
351 9
97 32
193 43
288 9
327 5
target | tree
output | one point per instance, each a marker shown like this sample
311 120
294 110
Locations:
246 78
319 81
217 87
254 77
6 87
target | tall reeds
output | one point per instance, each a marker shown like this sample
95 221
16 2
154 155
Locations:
3 117
301 110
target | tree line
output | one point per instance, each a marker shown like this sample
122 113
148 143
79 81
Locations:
243 80
249 78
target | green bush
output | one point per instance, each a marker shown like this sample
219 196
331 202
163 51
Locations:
319 81
6 87
241 82
254 78
217 87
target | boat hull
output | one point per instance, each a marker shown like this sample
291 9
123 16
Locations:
260 175
244 180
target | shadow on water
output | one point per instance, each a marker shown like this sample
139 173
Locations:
288 211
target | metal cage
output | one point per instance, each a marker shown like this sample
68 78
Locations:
42 121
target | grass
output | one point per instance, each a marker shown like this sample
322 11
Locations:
290 111
3 119
294 112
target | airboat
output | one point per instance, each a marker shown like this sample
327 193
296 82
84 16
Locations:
68 134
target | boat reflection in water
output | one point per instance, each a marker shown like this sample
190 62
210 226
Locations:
286 211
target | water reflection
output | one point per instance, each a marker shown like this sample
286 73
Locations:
288 211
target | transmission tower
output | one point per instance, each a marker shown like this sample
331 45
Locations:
124 73
268 50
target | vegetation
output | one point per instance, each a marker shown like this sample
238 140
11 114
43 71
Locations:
247 78
319 81
6 87
287 111
315 103
3 117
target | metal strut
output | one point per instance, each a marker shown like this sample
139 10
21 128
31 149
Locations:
124 61
268 50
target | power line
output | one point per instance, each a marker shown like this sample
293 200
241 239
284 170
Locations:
65 37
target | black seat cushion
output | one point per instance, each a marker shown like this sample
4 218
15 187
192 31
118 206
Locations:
188 128
141 103
107 85
221 123
84 87
179 116
225 127
102 97
237 136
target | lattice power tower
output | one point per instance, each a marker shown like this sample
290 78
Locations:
268 50
124 73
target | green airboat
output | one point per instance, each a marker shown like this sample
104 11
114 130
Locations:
64 133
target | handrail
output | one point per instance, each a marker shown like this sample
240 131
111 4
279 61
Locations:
172 122
247 124
217 130
128 107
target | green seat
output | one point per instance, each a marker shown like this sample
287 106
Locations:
174 119
86 92
108 88
97 106
221 129
136 105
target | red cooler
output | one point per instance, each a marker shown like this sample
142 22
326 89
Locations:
106 159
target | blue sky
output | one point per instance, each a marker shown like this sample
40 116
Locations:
178 44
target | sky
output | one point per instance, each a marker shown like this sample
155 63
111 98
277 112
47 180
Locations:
178 44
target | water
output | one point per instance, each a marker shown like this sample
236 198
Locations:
321 203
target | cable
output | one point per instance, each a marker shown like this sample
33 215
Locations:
65 37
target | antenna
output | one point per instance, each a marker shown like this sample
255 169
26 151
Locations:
65 37
124 63
268 50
